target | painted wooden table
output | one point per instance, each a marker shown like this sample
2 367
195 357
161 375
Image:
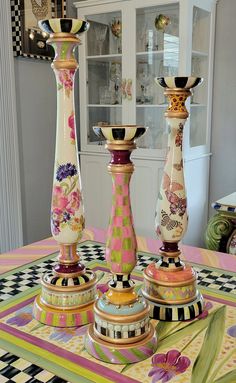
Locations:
197 351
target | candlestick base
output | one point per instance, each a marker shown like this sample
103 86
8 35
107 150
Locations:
66 300
172 294
120 353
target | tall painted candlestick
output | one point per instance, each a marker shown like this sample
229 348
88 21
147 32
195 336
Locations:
121 332
68 292
170 285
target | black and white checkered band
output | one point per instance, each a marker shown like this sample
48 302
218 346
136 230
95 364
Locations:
178 82
121 281
112 133
118 331
170 263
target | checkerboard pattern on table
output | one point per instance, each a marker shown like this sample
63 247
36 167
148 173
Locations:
17 370
30 276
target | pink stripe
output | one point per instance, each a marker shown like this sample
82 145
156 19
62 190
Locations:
220 300
129 355
146 350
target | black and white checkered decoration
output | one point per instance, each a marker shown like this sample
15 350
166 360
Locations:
14 369
16 27
121 282
30 276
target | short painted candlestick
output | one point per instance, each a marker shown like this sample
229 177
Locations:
121 332
170 285
68 292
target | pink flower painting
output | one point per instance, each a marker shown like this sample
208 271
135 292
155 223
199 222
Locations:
71 124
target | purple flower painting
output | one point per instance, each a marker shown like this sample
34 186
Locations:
166 366
64 171
22 317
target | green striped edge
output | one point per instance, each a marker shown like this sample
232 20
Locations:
139 354
120 357
100 352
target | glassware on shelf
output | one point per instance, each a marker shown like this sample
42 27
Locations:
116 29
144 78
115 77
104 95
101 31
196 69
161 22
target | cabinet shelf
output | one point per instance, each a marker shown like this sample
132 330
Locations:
151 105
104 105
107 58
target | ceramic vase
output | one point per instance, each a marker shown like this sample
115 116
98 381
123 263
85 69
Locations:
69 290
121 332
170 286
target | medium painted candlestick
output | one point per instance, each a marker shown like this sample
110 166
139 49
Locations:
170 285
121 332
68 292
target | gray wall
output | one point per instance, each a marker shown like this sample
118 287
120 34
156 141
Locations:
36 106
223 161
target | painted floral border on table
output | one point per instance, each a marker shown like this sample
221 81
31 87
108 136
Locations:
199 351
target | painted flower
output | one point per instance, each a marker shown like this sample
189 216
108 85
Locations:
59 200
232 331
167 366
71 124
74 200
22 317
64 171
103 287
64 335
66 79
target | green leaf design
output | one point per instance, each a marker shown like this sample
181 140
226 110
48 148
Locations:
65 186
190 329
163 329
210 348
230 377
160 196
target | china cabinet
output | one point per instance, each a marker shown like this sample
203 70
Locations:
128 44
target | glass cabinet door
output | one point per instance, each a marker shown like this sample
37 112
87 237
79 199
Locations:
200 67
157 55
104 71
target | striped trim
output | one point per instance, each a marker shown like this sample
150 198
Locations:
173 313
121 281
66 25
126 133
178 82
53 279
218 206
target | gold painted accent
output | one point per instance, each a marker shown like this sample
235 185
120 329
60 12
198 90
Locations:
64 64
65 289
120 341
121 298
120 145
169 269
170 283
142 342
177 98
122 318
116 168
167 301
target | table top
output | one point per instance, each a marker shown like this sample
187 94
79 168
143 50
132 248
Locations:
34 353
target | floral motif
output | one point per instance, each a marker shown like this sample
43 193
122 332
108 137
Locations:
64 171
232 331
22 317
103 287
179 136
66 200
64 335
167 366
66 78
71 124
